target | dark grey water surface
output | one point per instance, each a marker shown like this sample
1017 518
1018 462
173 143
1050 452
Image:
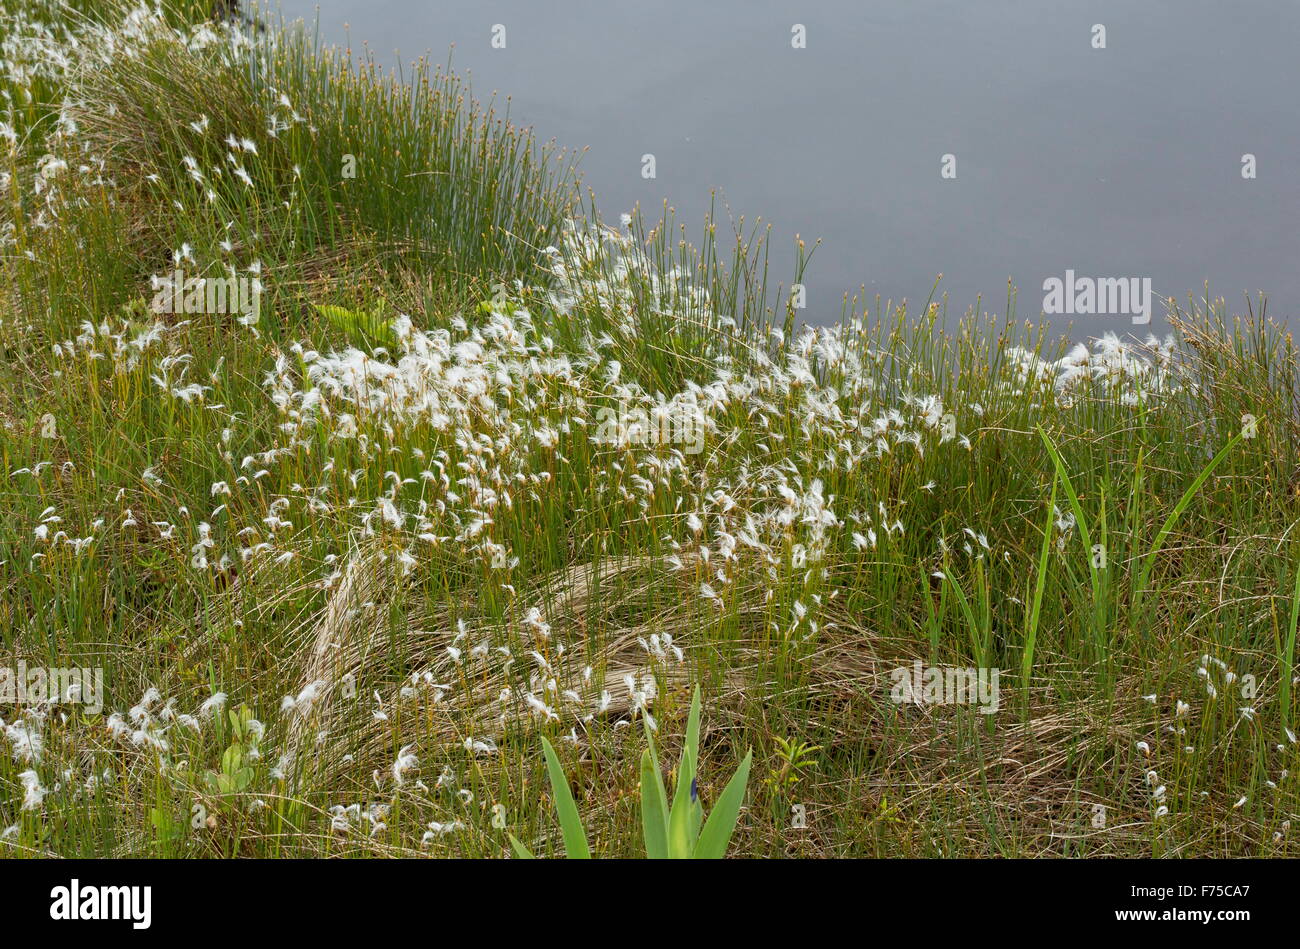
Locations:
1116 162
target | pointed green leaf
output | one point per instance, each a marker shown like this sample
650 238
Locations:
654 806
1287 657
683 822
693 726
575 839
1080 519
658 772
722 821
522 852
1040 583
1149 560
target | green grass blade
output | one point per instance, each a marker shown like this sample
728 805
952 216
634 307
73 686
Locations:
1149 560
721 824
1040 582
654 808
1080 519
575 839
1287 659
522 852
969 615
658 771
682 821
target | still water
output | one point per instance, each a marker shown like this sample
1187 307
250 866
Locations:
983 141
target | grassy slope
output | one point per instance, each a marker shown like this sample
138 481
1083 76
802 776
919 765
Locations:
295 519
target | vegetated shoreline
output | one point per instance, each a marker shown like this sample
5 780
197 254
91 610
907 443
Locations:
450 467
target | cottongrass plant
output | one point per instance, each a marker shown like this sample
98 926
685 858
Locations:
348 560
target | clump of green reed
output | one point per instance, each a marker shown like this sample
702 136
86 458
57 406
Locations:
676 831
